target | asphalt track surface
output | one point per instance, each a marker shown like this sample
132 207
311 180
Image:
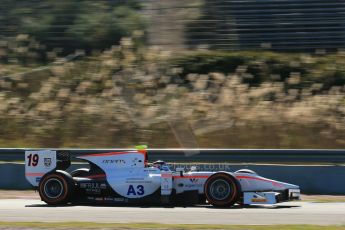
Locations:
287 213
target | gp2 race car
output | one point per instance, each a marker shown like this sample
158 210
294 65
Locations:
126 177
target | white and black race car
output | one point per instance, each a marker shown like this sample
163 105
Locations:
126 177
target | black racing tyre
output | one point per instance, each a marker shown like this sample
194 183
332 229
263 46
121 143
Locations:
240 201
56 188
82 172
222 190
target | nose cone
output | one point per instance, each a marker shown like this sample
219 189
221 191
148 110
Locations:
289 186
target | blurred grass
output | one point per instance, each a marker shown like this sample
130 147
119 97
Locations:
131 94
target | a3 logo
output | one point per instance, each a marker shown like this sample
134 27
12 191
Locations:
138 191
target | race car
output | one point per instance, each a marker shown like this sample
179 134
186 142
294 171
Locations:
126 177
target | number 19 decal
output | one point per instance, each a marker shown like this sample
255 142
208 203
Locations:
33 160
138 191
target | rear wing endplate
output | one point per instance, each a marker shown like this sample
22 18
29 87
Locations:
37 164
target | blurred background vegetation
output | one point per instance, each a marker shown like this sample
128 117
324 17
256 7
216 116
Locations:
71 25
116 73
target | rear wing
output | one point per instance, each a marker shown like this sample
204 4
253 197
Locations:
40 162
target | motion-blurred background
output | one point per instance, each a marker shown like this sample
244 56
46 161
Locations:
182 73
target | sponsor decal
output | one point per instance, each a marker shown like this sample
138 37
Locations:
135 161
136 178
93 190
114 199
116 161
138 181
259 200
165 183
38 179
93 187
47 162
151 170
193 185
119 199
194 180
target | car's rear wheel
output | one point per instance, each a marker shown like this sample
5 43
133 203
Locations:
56 188
222 190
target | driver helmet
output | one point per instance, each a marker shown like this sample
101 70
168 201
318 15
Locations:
159 164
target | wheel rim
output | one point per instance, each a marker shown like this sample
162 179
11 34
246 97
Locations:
220 189
53 188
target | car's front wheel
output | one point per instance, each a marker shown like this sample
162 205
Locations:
222 190
56 188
